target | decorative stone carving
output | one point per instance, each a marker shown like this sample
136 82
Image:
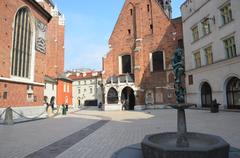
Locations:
149 99
41 30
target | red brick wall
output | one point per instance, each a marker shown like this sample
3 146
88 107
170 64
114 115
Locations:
160 38
55 48
17 92
55 45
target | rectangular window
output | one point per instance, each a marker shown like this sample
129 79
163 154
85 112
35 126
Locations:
190 79
129 31
157 61
64 87
79 91
209 55
180 44
131 11
206 27
126 64
67 87
226 14
195 33
30 97
197 58
230 47
5 94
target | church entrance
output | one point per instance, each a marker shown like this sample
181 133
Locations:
128 97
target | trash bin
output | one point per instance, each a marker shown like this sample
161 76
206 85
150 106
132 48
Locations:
64 110
215 106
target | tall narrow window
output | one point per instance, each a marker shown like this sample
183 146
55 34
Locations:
195 33
197 58
230 47
157 61
131 11
148 8
126 64
206 27
226 13
209 55
21 53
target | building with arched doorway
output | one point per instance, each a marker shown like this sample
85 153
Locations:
212 56
29 53
137 69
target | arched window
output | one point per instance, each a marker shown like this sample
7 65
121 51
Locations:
206 95
233 93
112 96
22 38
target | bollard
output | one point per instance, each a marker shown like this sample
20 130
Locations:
9 116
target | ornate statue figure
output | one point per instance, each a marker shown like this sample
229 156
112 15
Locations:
178 69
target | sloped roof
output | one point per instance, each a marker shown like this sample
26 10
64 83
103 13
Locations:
81 76
49 79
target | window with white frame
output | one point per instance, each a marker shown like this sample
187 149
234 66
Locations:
68 87
195 33
22 39
197 59
79 91
126 64
230 47
157 61
208 55
226 14
64 87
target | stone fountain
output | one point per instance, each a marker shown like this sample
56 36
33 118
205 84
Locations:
182 144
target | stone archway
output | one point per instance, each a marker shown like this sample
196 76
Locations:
112 96
233 93
129 97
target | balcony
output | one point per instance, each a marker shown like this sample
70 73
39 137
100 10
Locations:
125 78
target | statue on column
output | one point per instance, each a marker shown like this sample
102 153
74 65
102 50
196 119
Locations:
179 71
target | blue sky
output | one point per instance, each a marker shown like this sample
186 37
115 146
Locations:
89 25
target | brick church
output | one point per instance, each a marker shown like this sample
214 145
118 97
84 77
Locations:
32 47
137 70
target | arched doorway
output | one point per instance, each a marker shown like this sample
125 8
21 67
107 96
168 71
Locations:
233 93
206 95
129 97
112 96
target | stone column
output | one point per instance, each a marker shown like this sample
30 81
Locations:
182 140
8 117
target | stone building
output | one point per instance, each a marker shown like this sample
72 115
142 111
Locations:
137 69
87 90
24 59
212 51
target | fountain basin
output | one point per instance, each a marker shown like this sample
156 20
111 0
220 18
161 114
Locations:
163 145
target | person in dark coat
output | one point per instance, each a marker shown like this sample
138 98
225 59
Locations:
52 102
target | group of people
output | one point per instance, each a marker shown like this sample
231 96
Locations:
50 104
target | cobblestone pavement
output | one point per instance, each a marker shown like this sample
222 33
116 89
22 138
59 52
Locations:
125 128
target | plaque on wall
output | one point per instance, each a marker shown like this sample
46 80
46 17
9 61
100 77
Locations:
41 30
149 99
